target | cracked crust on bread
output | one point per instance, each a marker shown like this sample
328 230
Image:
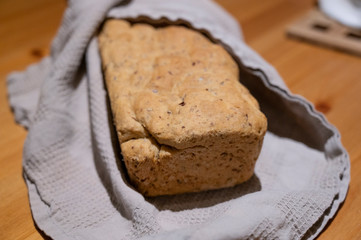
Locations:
183 120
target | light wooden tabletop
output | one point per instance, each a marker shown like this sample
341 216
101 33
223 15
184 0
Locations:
329 79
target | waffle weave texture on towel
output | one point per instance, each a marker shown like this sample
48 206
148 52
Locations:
77 185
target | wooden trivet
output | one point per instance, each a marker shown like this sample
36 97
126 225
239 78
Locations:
316 27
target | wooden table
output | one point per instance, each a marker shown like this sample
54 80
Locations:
329 79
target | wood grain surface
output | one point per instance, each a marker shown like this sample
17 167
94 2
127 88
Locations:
329 79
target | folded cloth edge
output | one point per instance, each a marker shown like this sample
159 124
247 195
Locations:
23 119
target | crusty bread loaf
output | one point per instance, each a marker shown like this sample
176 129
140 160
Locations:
183 120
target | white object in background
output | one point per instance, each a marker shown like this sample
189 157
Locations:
347 12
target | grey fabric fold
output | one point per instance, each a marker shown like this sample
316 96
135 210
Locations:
78 185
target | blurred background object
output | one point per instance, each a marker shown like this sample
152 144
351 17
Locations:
347 12
333 23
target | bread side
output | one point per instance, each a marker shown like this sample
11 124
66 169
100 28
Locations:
183 120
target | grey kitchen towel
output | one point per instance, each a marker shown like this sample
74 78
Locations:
77 183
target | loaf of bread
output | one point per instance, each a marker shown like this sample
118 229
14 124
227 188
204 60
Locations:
183 120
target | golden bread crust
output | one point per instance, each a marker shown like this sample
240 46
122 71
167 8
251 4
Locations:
183 120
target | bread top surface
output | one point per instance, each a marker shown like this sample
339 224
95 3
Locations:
174 85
